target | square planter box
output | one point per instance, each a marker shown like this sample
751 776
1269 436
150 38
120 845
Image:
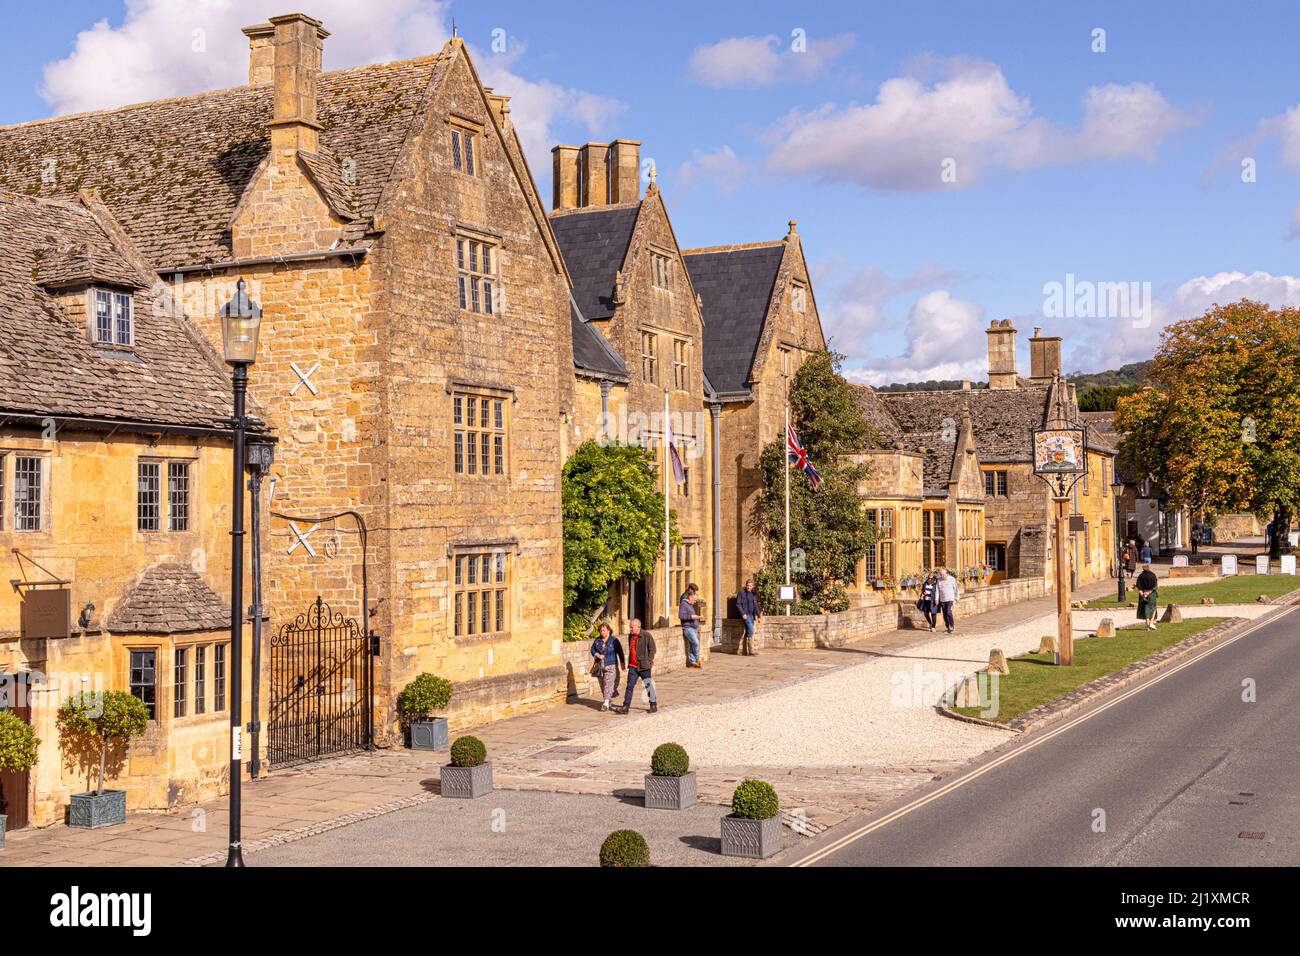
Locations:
429 734
90 811
670 793
467 782
754 839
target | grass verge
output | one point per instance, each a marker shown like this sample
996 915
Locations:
1241 589
1035 680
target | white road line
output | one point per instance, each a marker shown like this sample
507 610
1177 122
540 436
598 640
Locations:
868 828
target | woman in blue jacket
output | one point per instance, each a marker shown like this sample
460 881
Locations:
607 650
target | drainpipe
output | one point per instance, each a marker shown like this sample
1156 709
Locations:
715 410
604 407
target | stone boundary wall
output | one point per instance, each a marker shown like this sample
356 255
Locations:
670 655
845 627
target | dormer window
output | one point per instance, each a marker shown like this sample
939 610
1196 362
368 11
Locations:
112 318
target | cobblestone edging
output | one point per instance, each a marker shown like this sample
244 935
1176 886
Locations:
302 833
1066 704
1291 597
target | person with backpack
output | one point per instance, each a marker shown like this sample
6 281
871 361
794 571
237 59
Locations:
640 661
607 652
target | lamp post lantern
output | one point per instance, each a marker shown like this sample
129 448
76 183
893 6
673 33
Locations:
241 320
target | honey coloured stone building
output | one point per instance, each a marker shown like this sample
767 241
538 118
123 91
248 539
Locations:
638 342
415 344
115 490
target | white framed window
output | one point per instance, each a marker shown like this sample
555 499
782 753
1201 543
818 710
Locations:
112 318
476 270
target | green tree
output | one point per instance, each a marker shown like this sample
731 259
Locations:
613 525
1219 428
829 530
97 724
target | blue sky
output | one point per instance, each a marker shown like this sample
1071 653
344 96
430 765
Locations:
1115 166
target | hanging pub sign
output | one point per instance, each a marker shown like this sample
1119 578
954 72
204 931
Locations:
1059 451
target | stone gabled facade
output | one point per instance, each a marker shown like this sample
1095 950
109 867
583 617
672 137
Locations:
384 220
638 340
760 319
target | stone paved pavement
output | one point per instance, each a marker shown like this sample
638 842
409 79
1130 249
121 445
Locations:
528 753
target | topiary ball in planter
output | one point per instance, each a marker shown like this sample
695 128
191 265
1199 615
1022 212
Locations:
417 701
670 784
624 848
753 828
469 774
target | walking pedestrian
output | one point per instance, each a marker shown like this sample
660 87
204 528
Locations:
1146 553
690 627
928 603
1148 596
947 592
747 607
607 650
1130 558
640 660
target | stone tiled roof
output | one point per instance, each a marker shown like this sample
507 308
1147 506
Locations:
591 352
328 175
169 599
735 284
1002 419
886 427
594 244
173 171
48 365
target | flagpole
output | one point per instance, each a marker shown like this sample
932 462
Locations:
668 465
786 440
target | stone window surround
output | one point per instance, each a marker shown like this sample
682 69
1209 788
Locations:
681 364
798 297
683 566
464 233
502 601
159 705
1001 476
9 456
471 161
208 684
164 515
662 273
482 393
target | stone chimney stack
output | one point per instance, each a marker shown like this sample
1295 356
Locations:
261 54
297 45
625 175
1002 354
593 165
564 177
500 107
1044 357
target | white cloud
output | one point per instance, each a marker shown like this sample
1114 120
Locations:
156 53
962 115
754 61
852 302
945 340
720 169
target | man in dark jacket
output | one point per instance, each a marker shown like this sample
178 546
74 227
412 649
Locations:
640 660
747 608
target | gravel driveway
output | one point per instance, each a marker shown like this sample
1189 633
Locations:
877 713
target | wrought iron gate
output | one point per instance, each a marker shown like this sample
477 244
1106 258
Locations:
320 688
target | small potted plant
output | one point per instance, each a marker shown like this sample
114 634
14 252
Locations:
752 829
469 774
93 725
417 701
18 749
670 784
624 848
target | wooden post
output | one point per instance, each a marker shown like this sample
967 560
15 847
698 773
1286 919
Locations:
1064 621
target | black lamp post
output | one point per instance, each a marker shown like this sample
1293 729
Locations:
1117 493
241 320
260 454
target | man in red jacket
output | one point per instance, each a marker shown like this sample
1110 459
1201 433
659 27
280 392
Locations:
640 659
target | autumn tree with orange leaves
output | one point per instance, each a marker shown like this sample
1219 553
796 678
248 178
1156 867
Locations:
1218 428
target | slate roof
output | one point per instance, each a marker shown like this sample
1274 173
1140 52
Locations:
591 352
169 599
173 171
735 284
1002 418
48 365
594 244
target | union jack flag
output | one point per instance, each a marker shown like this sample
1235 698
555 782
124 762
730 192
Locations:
798 456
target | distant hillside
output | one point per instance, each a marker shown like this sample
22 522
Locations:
1135 373
931 385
